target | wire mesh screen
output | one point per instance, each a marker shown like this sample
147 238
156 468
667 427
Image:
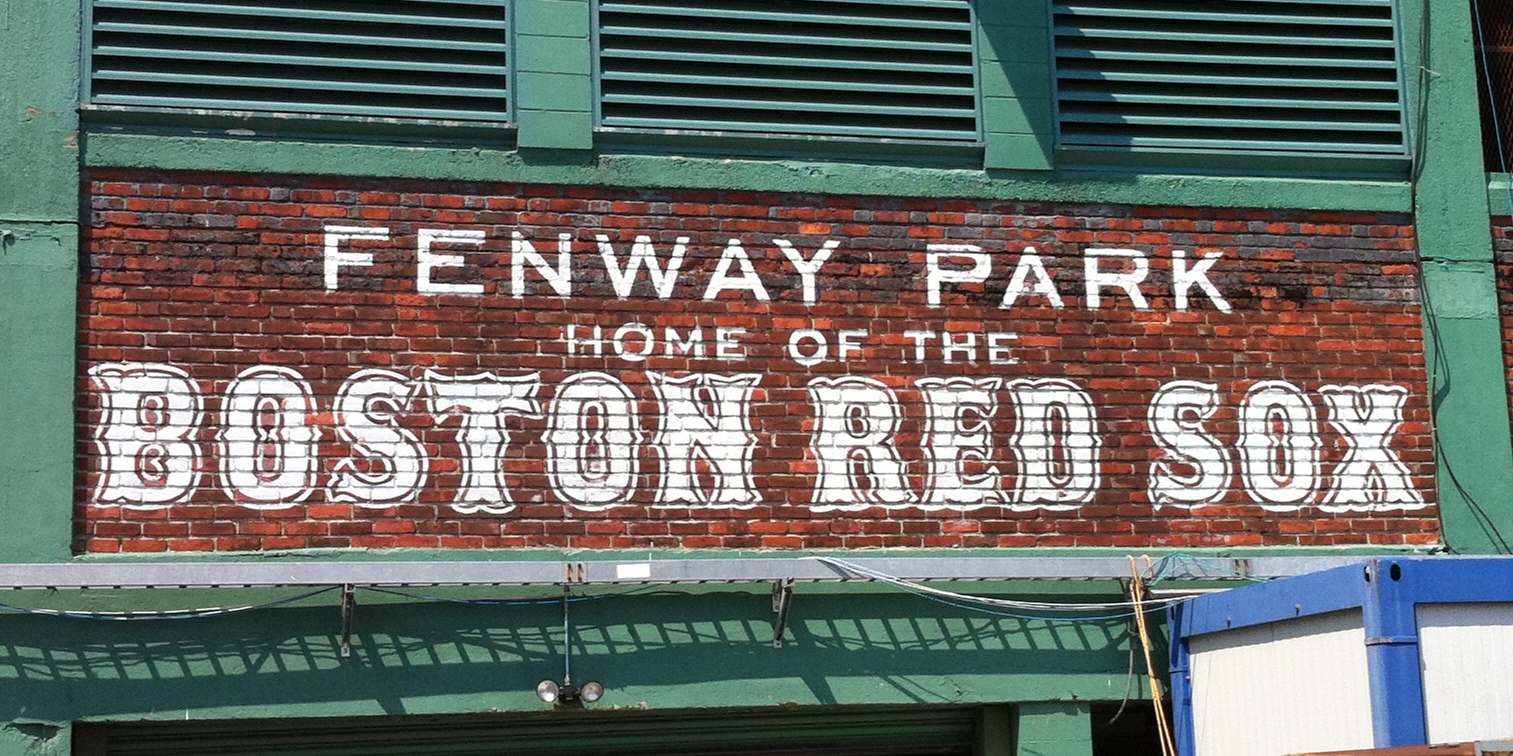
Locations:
1496 72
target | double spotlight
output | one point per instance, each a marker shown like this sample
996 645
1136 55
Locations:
568 694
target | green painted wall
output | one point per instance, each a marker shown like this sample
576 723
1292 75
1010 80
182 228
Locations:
1464 340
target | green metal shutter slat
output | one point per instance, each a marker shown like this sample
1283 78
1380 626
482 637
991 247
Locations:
1243 39
1197 120
1066 73
774 16
431 59
1229 15
775 126
755 37
299 60
1283 76
815 105
1235 143
1201 100
164 6
792 83
1227 58
341 86
289 106
773 60
889 69
218 33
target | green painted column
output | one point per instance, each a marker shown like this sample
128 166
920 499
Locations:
554 74
995 731
1055 729
39 250
1463 333
39 123
1014 52
38 270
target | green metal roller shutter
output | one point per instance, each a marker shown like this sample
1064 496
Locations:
1283 76
424 59
884 731
878 69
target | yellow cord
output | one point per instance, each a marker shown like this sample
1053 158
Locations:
1137 593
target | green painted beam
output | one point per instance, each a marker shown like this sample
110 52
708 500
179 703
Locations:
1055 729
298 157
38 288
39 147
1464 343
554 74
651 650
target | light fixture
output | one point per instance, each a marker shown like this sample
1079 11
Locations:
566 693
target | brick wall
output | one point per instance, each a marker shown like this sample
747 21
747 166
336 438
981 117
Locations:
1502 250
282 362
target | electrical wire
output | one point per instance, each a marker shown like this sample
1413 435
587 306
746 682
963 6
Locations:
1137 594
545 600
1019 604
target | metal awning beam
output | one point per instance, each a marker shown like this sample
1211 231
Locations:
106 575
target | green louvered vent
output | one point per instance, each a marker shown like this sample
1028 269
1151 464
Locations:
428 59
1288 76
888 69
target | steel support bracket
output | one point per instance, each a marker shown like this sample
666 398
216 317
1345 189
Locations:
782 601
348 604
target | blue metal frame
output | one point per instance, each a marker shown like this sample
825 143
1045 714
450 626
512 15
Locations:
1387 591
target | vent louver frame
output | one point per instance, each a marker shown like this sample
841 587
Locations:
438 60
868 69
1310 77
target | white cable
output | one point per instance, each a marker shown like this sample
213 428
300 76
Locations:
856 569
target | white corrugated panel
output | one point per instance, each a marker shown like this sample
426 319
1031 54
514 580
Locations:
1467 655
1282 688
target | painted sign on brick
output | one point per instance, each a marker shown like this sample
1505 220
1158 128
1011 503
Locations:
287 362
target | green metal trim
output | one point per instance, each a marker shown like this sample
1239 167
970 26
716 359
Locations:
1104 187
